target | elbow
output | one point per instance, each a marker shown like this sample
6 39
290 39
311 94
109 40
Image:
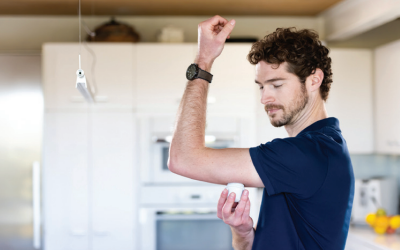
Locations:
173 161
180 161
171 164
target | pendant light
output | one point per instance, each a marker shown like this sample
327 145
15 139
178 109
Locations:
81 83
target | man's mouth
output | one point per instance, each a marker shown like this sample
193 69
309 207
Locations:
272 111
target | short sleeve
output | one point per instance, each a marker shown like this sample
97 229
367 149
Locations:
295 165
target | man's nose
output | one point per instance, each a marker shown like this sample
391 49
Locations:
267 97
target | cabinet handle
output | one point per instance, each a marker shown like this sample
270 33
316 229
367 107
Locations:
36 204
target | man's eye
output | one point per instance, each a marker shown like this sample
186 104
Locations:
261 87
277 86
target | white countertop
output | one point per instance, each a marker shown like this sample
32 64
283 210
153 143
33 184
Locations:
361 238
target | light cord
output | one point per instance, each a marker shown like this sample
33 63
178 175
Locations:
80 34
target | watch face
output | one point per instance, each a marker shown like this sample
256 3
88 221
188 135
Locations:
191 72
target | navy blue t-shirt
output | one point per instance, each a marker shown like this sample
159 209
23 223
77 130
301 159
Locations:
309 188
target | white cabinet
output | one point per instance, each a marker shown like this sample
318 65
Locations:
114 185
89 181
387 98
233 90
65 182
109 70
351 98
161 76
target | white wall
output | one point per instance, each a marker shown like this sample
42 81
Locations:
28 33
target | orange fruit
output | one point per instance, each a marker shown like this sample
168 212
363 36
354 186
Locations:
382 221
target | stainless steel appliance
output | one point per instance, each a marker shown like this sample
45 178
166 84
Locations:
21 112
371 194
182 217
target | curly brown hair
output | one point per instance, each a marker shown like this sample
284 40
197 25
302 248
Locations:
302 50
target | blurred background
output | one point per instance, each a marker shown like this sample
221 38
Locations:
89 172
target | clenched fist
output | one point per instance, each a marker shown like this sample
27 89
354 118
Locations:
212 35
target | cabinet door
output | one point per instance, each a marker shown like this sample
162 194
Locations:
350 98
387 98
233 89
114 183
109 70
65 181
161 75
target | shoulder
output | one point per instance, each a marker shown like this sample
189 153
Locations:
304 150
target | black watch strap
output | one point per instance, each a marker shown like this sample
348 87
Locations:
204 75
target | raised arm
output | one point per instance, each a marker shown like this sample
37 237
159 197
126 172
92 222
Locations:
188 155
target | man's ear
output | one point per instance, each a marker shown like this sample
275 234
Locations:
316 79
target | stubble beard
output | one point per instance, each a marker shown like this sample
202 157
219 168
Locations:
295 107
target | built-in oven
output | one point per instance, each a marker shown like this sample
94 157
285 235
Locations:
182 218
183 228
156 134
159 171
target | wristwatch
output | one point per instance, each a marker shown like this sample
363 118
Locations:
194 72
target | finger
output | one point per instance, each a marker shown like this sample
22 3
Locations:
235 204
221 202
246 213
242 204
226 31
218 28
218 20
227 209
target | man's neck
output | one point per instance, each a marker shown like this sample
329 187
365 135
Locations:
315 112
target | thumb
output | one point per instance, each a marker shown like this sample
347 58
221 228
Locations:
227 29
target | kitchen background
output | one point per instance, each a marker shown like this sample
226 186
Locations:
74 176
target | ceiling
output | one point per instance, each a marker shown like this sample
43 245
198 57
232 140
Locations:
373 38
166 7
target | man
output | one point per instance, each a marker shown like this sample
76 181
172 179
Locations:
307 178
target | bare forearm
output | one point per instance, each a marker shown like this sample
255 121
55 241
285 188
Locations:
242 241
191 119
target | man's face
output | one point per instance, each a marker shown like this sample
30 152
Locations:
282 93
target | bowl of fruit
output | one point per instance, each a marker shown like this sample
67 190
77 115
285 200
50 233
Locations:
382 223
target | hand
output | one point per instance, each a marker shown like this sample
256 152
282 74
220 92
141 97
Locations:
236 215
212 35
